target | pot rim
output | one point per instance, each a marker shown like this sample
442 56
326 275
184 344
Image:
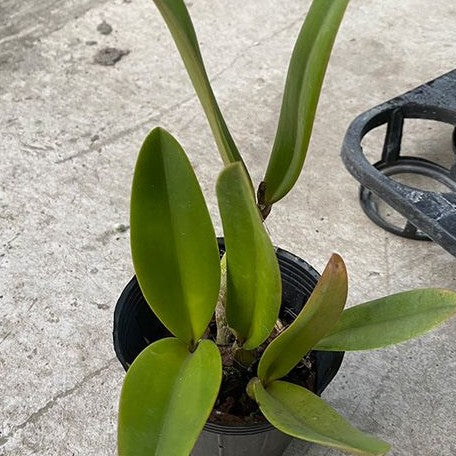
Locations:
257 428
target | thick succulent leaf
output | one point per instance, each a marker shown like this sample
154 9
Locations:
167 396
302 414
179 23
173 243
302 91
390 320
315 320
253 292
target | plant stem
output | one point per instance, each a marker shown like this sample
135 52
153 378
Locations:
244 357
264 208
223 331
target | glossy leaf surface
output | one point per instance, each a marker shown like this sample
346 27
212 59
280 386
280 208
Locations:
390 320
315 320
253 292
167 396
300 413
179 23
173 243
302 91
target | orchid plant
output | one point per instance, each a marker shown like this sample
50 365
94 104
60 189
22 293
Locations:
170 389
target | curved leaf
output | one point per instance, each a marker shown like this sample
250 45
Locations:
390 320
167 396
298 412
173 243
315 320
178 20
253 292
302 91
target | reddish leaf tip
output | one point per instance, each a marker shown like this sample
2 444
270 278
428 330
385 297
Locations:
337 263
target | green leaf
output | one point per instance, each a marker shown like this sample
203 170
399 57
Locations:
315 320
298 412
173 243
302 91
179 23
390 320
167 396
253 278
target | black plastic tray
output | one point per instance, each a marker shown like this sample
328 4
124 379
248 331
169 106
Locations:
430 215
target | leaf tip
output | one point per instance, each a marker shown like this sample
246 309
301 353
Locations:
337 262
384 449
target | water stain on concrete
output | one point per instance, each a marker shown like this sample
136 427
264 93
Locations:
109 56
104 28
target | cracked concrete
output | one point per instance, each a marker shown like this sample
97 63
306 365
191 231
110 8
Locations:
36 416
70 133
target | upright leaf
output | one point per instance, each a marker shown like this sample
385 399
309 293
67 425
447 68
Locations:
298 412
178 20
390 320
167 396
302 91
316 319
253 292
173 243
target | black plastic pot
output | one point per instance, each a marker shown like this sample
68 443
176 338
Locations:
136 326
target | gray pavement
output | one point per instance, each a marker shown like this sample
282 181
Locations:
70 131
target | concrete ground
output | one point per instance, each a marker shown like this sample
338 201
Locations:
70 131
